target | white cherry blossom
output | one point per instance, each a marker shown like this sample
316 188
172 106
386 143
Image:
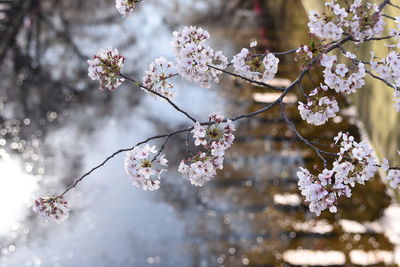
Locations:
157 77
106 67
318 109
213 141
144 169
52 209
195 60
258 68
125 7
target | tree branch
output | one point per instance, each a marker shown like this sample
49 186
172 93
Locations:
160 95
239 117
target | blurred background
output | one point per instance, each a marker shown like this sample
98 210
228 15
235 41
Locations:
55 125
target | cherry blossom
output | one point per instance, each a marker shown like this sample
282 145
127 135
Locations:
340 78
356 164
324 30
253 44
156 77
51 209
305 51
395 33
195 60
393 174
385 164
214 140
144 169
258 68
359 20
361 155
199 134
394 178
125 7
106 67
318 109
316 191
388 68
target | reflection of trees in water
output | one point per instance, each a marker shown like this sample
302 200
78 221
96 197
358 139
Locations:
38 91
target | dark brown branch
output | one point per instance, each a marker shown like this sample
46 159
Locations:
393 5
389 17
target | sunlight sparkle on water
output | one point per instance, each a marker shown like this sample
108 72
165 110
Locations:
16 190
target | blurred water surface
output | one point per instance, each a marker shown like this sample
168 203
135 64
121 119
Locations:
57 125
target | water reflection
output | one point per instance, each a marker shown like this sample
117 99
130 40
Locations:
56 125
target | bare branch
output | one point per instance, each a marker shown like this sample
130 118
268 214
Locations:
160 95
381 79
393 5
247 79
121 151
308 143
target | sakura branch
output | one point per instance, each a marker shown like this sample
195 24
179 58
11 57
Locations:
196 62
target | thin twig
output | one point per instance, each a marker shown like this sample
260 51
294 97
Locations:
381 79
247 79
121 151
389 17
393 5
160 95
187 144
162 148
308 143
291 51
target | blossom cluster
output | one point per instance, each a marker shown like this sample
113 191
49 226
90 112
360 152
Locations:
355 164
213 140
106 67
395 33
195 60
156 77
360 20
145 170
388 68
51 209
318 108
341 78
393 177
393 174
305 51
259 68
125 7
